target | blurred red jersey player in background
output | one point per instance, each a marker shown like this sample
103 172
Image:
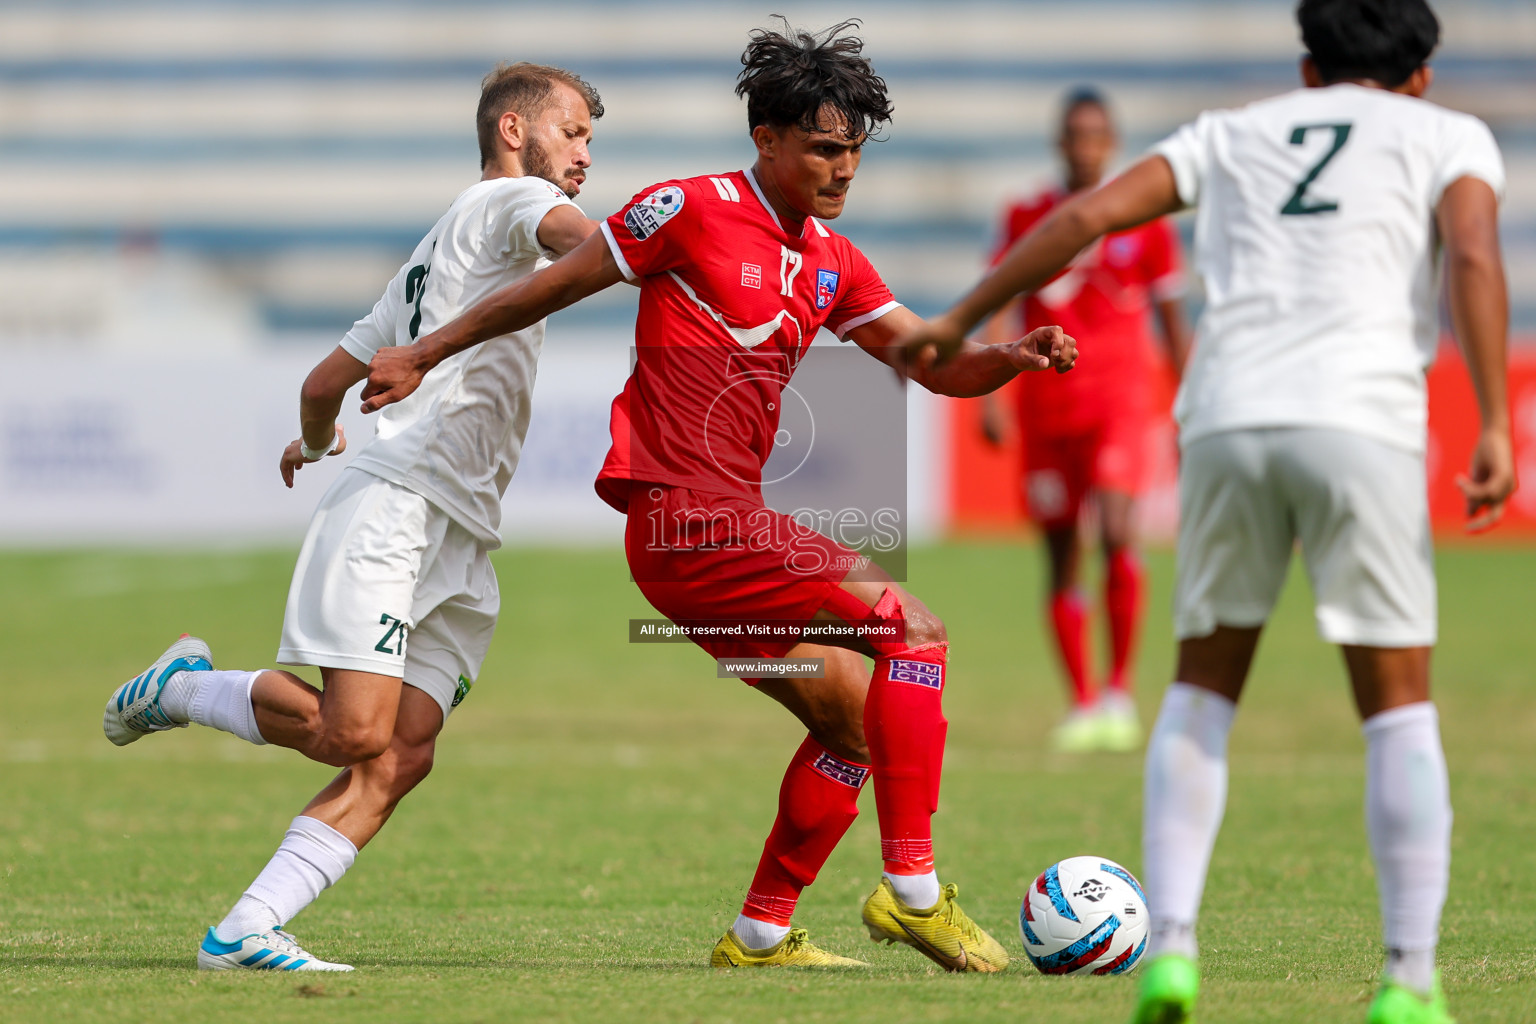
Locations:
1086 434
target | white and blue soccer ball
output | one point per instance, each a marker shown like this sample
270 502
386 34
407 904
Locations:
1085 915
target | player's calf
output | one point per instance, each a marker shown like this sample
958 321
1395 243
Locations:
905 728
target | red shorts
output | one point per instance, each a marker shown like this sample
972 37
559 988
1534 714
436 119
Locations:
707 558
1061 470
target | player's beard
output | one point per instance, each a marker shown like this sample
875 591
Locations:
536 162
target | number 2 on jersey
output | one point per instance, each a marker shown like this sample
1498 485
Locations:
1298 205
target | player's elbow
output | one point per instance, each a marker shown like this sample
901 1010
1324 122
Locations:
318 391
1473 261
1083 221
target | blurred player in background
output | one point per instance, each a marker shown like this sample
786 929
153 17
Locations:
737 271
1323 216
1087 434
394 597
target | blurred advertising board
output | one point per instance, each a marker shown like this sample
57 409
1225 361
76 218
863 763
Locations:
984 483
165 449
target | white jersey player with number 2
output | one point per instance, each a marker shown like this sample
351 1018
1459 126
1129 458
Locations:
394 597
1324 218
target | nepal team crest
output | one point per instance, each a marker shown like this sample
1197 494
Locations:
826 287
650 213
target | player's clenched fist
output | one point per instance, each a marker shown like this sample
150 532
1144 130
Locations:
932 343
393 373
296 455
1044 348
1490 482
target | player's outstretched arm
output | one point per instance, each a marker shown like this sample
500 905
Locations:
1146 191
977 369
319 404
1468 219
396 372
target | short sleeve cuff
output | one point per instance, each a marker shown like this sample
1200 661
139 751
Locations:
866 318
1185 178
618 254
1169 286
535 220
1494 179
358 350
1473 153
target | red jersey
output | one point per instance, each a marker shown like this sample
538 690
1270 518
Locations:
729 302
1102 299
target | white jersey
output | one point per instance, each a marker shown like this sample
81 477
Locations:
1316 240
456 440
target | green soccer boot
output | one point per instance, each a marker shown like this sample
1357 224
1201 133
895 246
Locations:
1169 985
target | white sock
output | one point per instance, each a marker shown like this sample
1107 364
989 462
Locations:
917 891
221 700
755 934
1185 796
312 857
1408 818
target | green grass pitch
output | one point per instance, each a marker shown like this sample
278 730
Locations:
597 810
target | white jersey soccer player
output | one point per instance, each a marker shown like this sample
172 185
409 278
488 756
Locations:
1323 216
394 597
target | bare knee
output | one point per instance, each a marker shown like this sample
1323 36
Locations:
1116 521
390 776
924 627
412 765
352 743
1220 661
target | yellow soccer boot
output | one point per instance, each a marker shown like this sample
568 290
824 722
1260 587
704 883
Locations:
943 933
794 950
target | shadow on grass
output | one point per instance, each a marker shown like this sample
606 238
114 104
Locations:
98 961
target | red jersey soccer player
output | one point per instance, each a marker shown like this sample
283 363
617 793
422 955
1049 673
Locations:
737 273
1086 434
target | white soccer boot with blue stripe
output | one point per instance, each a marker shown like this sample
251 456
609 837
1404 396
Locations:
134 708
275 950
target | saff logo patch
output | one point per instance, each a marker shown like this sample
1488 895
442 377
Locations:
650 213
826 288
1123 251
920 673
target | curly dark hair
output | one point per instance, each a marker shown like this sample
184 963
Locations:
1387 40
788 77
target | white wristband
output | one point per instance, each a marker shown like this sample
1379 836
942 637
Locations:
316 454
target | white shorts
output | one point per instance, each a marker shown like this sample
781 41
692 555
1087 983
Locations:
388 583
1358 506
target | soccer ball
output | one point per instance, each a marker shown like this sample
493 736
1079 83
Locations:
1085 915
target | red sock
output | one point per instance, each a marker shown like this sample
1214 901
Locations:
1124 585
1069 620
905 727
817 802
